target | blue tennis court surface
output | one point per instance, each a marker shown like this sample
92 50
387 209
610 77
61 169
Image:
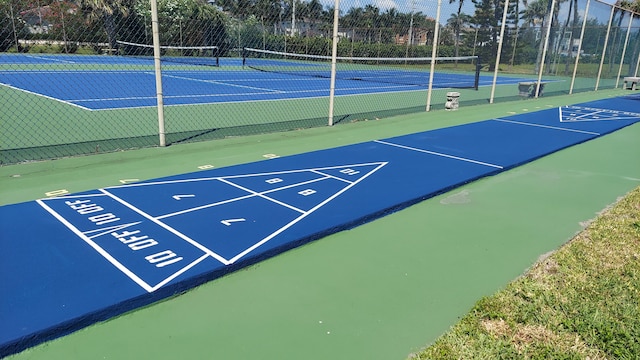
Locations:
126 85
67 262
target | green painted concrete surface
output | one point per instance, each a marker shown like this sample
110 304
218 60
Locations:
379 291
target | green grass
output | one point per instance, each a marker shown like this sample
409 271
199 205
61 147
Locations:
579 303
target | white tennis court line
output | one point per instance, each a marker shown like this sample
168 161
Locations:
45 96
223 83
272 92
547 127
154 97
50 59
439 154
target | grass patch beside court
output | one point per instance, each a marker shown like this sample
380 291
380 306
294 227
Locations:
579 303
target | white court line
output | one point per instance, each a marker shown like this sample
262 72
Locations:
180 272
97 248
73 196
547 127
195 96
305 170
109 229
331 176
305 214
439 154
204 206
224 83
263 196
603 110
167 227
619 115
238 176
250 195
575 117
45 96
272 100
40 72
51 59
162 182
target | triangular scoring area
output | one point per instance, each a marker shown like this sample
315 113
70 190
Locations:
275 201
580 114
305 190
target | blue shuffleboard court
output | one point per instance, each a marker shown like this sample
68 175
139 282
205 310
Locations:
67 262
129 82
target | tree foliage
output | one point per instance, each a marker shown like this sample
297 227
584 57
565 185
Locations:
305 26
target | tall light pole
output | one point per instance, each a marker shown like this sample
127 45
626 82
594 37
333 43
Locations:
293 16
410 36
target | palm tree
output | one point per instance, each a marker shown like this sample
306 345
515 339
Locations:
371 18
538 12
573 11
615 44
106 10
456 22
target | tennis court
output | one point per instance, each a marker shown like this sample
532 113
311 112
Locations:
104 252
94 82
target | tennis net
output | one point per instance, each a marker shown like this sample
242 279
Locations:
191 55
449 72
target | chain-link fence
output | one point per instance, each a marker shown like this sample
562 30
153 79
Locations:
91 76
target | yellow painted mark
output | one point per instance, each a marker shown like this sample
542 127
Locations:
57 192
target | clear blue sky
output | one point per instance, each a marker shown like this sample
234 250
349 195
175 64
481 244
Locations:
427 7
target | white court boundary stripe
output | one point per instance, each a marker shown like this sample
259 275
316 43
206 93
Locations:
239 198
439 154
548 127
599 110
305 214
223 83
45 96
180 272
266 197
97 248
167 227
50 59
319 170
621 115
